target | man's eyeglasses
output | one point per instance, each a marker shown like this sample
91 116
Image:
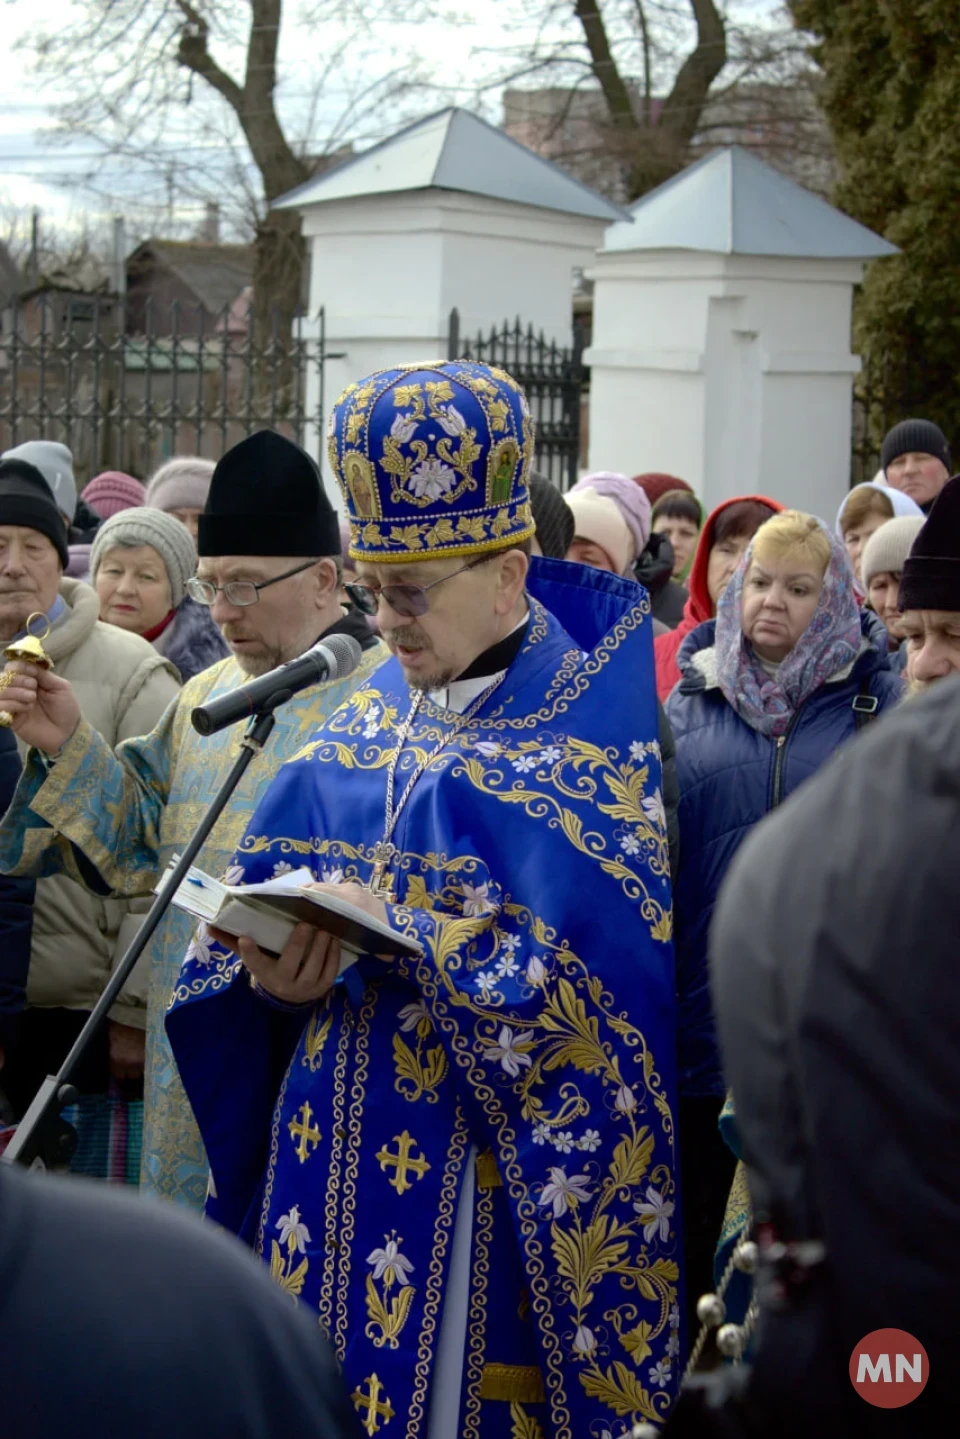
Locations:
238 592
407 601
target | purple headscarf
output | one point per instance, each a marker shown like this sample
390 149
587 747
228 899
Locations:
629 499
829 644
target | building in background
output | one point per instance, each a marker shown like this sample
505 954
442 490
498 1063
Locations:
187 284
781 124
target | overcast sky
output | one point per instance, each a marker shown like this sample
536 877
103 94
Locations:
458 52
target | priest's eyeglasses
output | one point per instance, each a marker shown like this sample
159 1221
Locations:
238 592
407 601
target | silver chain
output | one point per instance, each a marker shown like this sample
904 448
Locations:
392 814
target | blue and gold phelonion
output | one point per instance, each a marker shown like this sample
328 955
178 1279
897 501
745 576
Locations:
29 648
433 461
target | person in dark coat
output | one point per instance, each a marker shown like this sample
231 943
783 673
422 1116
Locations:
837 990
119 1317
16 919
654 570
787 672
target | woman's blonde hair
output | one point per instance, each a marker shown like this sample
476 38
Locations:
795 534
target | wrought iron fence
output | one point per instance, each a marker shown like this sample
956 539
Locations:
126 389
552 377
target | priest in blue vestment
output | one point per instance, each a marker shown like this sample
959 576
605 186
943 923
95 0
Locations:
463 1162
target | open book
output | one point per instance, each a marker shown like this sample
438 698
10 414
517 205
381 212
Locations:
268 912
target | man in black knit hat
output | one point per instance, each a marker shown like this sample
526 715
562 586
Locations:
270 569
915 458
929 596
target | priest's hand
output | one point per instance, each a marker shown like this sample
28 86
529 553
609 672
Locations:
43 706
357 895
304 972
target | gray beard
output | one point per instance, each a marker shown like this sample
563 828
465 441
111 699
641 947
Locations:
254 667
426 683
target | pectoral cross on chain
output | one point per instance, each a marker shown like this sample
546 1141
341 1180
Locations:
381 883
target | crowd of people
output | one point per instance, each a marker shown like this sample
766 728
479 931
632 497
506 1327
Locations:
514 1166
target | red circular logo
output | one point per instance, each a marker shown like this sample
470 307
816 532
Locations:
889 1368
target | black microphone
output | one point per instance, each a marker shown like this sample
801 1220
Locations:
329 659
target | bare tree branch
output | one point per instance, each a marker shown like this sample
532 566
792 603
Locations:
682 107
647 65
602 63
142 74
193 54
667 74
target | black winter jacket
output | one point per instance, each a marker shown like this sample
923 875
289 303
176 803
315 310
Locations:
119 1317
837 991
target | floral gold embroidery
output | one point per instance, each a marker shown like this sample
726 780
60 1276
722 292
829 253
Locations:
523 1425
422 1070
609 1220
294 1237
316 1037
511 524
388 1312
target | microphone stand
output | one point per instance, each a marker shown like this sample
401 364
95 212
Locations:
43 1139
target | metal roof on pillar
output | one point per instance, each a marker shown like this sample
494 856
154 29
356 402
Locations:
731 203
454 150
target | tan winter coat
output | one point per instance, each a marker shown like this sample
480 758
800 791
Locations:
123 687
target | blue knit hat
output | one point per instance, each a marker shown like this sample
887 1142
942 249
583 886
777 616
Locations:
432 461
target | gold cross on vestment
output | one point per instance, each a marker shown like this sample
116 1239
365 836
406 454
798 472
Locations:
376 1409
402 1162
303 1133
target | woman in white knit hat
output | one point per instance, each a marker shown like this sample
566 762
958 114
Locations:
140 564
180 488
881 566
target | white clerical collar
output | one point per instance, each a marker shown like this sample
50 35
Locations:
459 694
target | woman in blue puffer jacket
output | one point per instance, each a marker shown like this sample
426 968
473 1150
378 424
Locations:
789 670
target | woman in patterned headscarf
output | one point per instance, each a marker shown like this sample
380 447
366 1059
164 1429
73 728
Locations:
788 670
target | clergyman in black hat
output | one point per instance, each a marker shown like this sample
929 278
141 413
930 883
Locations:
269 568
